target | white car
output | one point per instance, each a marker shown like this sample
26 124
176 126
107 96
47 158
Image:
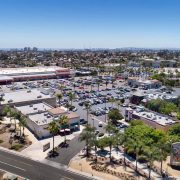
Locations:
100 124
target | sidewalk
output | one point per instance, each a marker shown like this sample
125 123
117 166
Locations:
120 155
117 155
82 165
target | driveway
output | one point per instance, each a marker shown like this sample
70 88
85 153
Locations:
66 154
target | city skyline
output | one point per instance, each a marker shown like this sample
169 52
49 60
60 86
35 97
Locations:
90 24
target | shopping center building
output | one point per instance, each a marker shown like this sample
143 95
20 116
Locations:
9 75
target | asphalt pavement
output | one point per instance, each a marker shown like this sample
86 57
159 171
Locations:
35 170
67 153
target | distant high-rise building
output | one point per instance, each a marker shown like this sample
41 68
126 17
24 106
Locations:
35 49
27 48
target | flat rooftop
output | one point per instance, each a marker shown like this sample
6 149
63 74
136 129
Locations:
162 120
45 117
41 118
23 96
5 78
160 96
58 111
72 115
26 70
112 64
33 108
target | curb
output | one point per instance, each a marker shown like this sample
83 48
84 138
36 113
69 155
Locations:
50 163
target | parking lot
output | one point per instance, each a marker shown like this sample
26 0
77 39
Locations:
101 96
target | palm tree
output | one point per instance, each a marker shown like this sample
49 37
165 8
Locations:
17 116
59 97
74 86
136 145
12 115
119 138
110 128
1 99
151 155
118 102
71 97
101 143
87 107
87 135
110 141
53 129
63 121
23 123
61 87
124 141
22 120
20 125
112 100
98 84
105 107
95 143
162 151
7 110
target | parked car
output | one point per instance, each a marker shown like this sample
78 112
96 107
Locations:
81 104
82 121
100 124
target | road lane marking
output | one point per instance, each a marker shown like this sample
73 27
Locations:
12 166
16 161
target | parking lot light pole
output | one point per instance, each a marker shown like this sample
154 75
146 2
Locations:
105 109
93 122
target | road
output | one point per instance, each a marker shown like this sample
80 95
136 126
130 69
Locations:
35 170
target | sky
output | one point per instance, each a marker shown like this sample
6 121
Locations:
90 23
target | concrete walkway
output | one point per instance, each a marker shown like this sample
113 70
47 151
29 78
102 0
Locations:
117 155
142 166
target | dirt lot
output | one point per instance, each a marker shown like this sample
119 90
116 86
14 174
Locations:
7 131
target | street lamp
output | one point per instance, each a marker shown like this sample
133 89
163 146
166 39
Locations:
105 109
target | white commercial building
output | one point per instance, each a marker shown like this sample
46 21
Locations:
23 97
149 84
152 119
41 114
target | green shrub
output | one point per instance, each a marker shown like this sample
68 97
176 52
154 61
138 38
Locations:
16 147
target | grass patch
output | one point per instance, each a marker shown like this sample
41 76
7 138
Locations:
1 141
16 147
